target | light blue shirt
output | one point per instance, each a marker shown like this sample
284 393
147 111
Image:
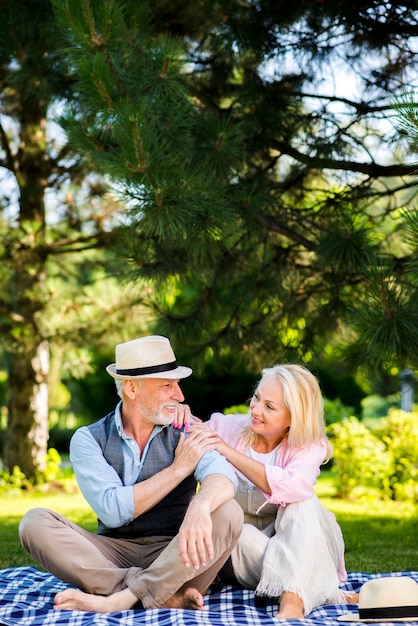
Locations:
110 498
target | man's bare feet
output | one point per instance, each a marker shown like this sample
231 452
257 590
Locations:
76 600
291 606
190 598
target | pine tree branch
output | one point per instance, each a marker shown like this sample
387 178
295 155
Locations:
374 170
272 224
81 243
361 107
100 44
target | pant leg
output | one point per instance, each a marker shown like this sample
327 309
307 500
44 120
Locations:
93 563
167 574
304 555
247 556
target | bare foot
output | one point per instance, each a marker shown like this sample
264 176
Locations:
291 606
352 598
190 598
76 600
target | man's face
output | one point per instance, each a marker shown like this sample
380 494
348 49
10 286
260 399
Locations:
158 399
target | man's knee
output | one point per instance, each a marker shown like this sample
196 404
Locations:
229 517
32 523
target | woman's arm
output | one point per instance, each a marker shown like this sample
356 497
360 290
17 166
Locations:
254 470
293 476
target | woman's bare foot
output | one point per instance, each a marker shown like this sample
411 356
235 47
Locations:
352 598
190 598
291 606
76 600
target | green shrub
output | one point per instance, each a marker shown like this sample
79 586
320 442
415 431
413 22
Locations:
382 460
238 408
335 410
360 459
16 481
378 406
399 433
52 467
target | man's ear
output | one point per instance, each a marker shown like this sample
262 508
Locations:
130 388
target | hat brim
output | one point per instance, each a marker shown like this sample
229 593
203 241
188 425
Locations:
354 617
180 372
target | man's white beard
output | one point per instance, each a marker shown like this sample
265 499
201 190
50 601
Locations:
162 420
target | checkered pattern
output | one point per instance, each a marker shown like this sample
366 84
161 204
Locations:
26 598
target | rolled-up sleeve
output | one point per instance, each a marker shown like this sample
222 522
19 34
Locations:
214 463
110 499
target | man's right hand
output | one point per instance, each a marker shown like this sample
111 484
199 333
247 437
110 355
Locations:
195 535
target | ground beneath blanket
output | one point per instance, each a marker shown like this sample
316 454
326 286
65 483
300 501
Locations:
26 599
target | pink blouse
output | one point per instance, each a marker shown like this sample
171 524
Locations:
293 476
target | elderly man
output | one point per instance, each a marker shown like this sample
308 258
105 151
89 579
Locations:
160 542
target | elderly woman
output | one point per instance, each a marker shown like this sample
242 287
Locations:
291 547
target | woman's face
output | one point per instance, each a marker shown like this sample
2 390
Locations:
270 417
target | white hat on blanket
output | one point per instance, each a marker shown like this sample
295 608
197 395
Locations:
147 357
387 599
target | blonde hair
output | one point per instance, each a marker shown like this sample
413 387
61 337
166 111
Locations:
302 396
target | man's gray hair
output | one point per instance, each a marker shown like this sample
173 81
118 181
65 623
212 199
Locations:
119 385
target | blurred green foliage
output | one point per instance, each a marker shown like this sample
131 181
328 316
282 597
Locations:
380 461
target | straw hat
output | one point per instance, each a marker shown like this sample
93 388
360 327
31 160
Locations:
387 599
147 357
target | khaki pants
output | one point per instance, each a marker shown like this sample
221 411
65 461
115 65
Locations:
150 566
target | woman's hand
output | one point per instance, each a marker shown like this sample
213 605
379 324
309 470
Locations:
207 432
190 449
184 417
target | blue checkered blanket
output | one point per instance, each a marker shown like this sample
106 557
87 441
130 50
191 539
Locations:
26 598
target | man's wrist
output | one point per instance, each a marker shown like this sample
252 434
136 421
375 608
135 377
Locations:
202 501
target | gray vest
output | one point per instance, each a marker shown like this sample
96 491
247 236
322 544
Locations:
166 516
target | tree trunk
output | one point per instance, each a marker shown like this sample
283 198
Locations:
27 432
28 351
28 359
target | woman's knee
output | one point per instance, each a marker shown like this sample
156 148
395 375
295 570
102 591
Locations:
252 539
247 556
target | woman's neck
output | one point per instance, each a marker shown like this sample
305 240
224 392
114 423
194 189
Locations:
264 446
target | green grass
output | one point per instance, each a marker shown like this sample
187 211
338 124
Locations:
379 536
14 506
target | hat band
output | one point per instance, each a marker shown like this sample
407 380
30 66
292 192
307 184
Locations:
389 611
152 369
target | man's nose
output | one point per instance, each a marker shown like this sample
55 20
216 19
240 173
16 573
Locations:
178 393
